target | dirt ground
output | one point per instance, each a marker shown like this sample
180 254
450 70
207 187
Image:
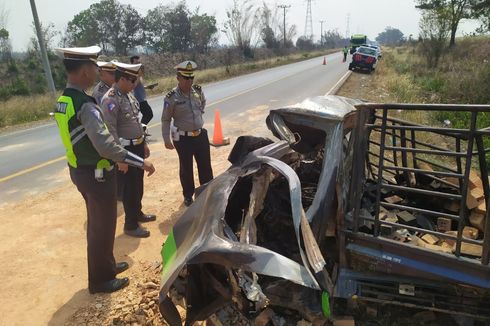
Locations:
43 245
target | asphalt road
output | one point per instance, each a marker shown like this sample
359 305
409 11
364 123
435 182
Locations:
31 158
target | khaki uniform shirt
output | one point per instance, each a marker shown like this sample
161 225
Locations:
121 114
99 91
186 111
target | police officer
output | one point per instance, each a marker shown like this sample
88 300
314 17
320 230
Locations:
91 152
185 105
106 76
121 110
140 93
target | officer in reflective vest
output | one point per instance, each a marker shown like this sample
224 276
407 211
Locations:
91 152
106 75
120 110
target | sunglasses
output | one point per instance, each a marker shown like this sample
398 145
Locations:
187 78
132 80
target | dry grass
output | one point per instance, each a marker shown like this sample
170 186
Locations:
24 109
214 74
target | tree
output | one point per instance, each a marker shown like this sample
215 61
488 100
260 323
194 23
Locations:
456 10
390 36
203 32
241 26
435 28
333 39
48 32
269 27
114 26
304 43
481 11
83 30
5 45
169 28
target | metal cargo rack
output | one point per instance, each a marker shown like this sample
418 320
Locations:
392 156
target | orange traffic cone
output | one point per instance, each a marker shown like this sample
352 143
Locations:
218 139
324 61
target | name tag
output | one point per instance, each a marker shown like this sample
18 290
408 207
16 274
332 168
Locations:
61 107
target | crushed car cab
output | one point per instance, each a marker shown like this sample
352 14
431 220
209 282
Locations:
322 215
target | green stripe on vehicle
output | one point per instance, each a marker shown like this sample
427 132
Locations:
168 251
326 304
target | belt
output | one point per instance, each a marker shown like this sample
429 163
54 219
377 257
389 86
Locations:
127 142
194 133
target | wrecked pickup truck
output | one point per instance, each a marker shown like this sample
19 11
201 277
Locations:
350 204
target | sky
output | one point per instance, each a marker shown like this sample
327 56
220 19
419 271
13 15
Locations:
369 17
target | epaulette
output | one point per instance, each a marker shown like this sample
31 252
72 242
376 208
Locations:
169 94
198 88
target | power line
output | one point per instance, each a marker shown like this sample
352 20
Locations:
309 22
284 7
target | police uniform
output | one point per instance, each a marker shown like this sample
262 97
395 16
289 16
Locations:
101 88
121 112
91 152
189 137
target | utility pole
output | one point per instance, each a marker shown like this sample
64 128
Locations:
321 32
42 47
347 27
309 22
284 7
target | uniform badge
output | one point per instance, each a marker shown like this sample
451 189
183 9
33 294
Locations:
111 106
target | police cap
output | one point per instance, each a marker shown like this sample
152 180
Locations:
186 68
106 66
127 69
89 53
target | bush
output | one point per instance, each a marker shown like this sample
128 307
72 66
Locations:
5 93
19 87
32 64
432 84
12 68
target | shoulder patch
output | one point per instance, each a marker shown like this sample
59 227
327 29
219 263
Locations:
169 94
111 92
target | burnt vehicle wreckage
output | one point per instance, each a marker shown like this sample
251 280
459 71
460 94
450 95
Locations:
296 225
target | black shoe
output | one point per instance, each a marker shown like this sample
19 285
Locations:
187 201
147 218
109 286
139 232
121 267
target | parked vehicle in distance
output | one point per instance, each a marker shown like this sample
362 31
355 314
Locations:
377 48
365 58
356 41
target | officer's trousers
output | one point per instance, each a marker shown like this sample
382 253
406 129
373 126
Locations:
132 182
189 147
100 200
